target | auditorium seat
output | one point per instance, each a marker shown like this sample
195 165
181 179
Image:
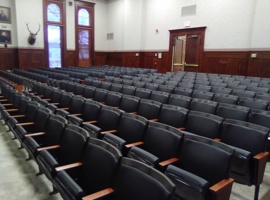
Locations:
93 173
202 105
230 111
173 116
202 171
160 146
129 132
69 150
135 180
249 161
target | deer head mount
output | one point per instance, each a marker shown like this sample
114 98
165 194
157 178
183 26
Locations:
32 36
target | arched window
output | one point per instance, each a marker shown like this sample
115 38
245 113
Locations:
53 13
83 17
84 33
55 45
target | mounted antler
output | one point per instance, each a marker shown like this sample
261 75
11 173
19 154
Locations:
32 36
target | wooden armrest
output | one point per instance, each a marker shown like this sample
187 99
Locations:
98 194
61 108
34 134
14 109
7 104
110 131
90 122
259 166
48 148
64 167
89 98
133 144
1 100
55 104
134 113
16 116
25 124
217 139
46 99
153 120
261 155
222 189
182 129
169 161
75 114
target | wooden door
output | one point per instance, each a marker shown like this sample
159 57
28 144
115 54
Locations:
189 56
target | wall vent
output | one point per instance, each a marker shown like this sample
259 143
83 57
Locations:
188 10
109 36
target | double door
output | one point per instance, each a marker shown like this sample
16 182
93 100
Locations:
186 49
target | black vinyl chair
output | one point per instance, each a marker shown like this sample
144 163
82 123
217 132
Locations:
69 150
143 93
230 111
252 103
89 114
202 105
93 173
225 98
202 170
74 109
160 96
200 94
129 103
135 180
249 141
179 100
50 136
149 109
89 92
204 124
107 122
113 99
160 146
130 132
40 119
183 91
173 116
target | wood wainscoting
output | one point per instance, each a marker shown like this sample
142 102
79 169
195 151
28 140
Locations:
226 62
259 65
8 58
31 58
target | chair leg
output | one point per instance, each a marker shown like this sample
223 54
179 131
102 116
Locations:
55 191
256 194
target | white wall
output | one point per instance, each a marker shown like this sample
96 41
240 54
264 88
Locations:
29 11
230 24
261 27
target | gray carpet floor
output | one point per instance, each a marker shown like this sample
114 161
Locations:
19 182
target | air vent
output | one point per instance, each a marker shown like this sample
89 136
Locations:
188 10
109 36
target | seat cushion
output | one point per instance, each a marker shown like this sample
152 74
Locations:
188 185
67 187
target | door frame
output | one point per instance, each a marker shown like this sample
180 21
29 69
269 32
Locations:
185 31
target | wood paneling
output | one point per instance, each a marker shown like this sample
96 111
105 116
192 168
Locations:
259 66
100 58
70 58
8 58
31 58
131 59
234 63
115 58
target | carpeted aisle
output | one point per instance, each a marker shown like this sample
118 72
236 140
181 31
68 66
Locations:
18 179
